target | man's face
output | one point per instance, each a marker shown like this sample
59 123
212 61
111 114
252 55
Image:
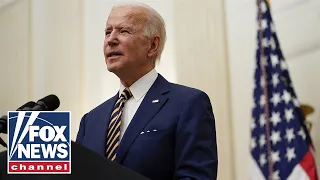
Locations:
125 46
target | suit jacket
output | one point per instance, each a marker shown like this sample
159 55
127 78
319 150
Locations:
174 138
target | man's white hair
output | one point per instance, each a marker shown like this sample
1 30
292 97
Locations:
155 24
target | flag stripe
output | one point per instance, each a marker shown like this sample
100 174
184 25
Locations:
308 164
256 173
298 173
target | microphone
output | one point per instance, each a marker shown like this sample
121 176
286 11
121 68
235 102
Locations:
3 119
48 103
27 106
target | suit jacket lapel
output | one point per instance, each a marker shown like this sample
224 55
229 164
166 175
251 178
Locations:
144 114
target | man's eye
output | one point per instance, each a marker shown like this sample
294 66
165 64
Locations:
107 32
124 31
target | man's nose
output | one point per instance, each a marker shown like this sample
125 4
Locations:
112 39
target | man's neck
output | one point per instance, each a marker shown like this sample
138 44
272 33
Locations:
129 80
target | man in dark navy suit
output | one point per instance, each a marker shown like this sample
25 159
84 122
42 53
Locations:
159 129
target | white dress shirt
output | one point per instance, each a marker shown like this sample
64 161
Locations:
139 89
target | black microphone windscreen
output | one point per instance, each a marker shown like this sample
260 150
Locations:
29 104
51 102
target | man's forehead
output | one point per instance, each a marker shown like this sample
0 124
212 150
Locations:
126 15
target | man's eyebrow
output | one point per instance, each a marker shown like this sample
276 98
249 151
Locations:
108 27
125 26
119 26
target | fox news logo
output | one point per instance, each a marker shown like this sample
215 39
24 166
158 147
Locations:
39 142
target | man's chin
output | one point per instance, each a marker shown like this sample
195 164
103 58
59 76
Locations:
112 68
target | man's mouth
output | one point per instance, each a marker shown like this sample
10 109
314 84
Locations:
113 54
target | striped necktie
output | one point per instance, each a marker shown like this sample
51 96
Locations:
113 137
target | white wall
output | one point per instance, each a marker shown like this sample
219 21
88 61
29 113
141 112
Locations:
298 27
41 54
56 55
14 56
201 61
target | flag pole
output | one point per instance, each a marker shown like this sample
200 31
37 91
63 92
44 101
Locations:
263 62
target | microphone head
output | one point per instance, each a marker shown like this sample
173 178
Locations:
50 102
29 105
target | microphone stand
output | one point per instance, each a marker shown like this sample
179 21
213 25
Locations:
4 144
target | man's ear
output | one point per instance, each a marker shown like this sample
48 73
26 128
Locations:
154 46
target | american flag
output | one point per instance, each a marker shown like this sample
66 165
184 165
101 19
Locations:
281 147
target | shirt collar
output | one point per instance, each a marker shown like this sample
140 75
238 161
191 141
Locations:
142 85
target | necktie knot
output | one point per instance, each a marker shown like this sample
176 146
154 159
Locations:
126 94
